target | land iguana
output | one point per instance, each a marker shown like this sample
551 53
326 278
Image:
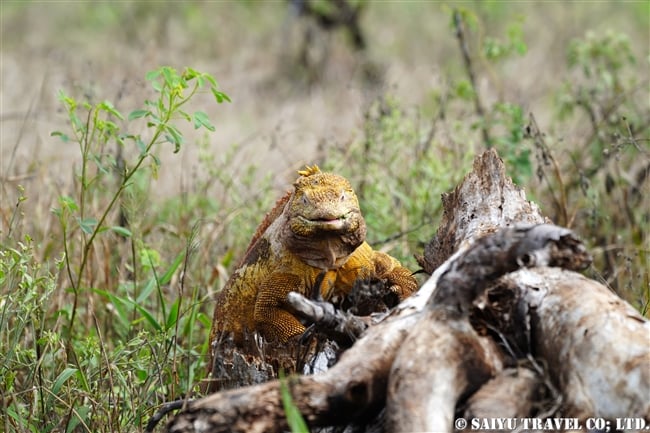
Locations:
314 234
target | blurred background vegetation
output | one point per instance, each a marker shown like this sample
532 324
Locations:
95 332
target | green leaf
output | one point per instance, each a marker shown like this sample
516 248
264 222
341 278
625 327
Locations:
152 75
147 316
204 319
464 90
148 288
141 146
156 86
153 121
77 123
201 119
149 257
87 224
172 317
120 303
219 96
136 114
109 108
97 159
170 76
156 160
142 374
62 378
81 414
167 276
71 103
295 420
64 137
521 48
184 115
68 203
111 127
210 80
190 73
124 232
122 307
174 137
19 419
164 279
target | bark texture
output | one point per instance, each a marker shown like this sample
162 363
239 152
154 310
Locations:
595 344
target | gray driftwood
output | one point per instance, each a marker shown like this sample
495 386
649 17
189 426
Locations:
469 339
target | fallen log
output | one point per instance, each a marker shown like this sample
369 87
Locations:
444 338
596 345
440 361
509 394
445 348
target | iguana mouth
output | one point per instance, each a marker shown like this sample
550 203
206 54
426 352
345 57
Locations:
335 223
327 220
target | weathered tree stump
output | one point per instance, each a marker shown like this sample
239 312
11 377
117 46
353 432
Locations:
504 327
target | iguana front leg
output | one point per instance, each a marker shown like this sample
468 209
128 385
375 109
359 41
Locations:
272 317
400 279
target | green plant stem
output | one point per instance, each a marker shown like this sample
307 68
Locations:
68 268
159 129
13 218
85 139
85 149
135 275
39 369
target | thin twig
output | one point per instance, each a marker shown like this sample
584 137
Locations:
464 49
561 203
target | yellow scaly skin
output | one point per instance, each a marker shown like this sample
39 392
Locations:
316 228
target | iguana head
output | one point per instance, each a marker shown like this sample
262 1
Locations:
324 208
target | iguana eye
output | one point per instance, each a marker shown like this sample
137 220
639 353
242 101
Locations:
344 196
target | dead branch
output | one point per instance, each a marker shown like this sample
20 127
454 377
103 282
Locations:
339 324
596 344
521 246
484 201
508 394
444 338
440 361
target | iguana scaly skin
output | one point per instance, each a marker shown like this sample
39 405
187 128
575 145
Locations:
316 228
